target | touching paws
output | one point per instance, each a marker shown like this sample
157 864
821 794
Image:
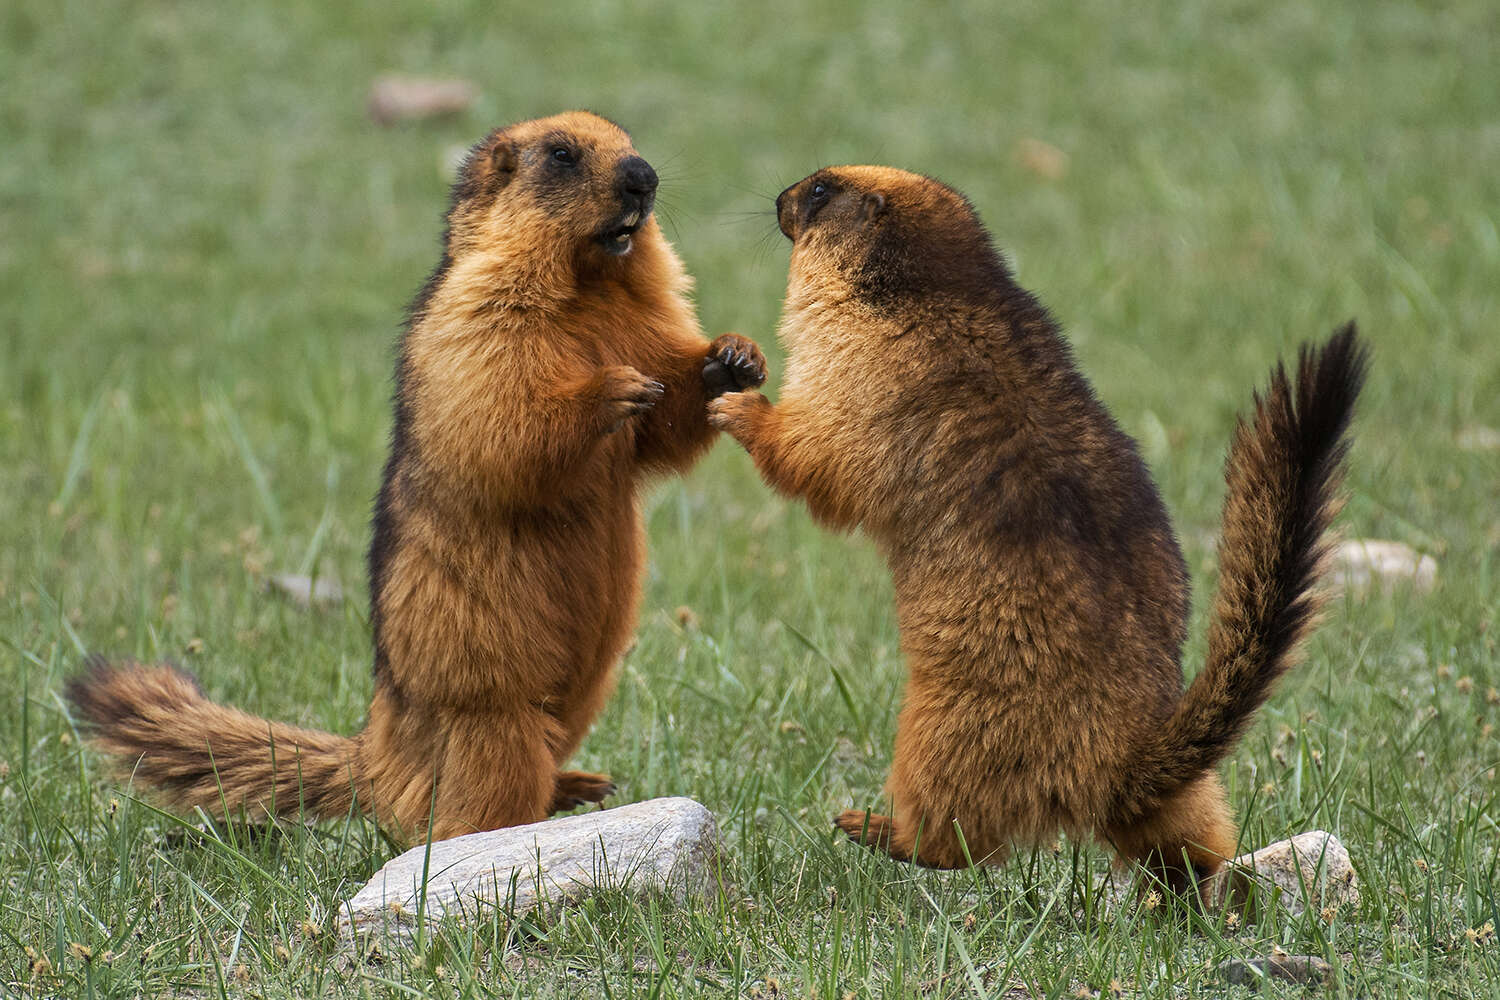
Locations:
627 393
734 364
736 412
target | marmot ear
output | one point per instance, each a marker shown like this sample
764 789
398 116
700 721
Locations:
503 161
870 206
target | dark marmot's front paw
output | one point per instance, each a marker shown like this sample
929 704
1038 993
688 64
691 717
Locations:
627 393
734 364
735 413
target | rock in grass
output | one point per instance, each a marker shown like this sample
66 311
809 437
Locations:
1477 437
1312 869
1366 563
1042 159
661 846
396 98
1292 968
305 591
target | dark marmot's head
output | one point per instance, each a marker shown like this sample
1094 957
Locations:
569 183
892 237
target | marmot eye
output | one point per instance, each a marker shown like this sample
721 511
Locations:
563 155
819 190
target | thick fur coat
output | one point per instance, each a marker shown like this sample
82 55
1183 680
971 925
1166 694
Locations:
1042 597
551 365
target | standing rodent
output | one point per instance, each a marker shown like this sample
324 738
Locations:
1042 597
552 362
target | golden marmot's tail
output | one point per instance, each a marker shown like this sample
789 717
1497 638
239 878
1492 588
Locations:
1284 470
170 737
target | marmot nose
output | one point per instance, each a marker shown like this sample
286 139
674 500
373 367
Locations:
785 220
636 177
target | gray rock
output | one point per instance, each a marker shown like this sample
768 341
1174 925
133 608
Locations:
1310 870
1292 968
1477 437
1274 875
664 845
396 98
304 591
1363 564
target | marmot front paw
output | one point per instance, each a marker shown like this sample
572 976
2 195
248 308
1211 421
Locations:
734 364
735 412
627 393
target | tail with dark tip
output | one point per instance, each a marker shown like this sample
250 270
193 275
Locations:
1284 471
194 753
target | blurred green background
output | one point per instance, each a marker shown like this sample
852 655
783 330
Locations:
205 250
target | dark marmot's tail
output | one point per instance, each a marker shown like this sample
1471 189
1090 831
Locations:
168 736
1284 470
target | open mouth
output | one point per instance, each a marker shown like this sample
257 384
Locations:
616 239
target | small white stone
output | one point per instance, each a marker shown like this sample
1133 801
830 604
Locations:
1365 563
1290 968
1477 437
666 845
305 591
396 98
1311 869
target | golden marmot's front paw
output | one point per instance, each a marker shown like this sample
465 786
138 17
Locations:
737 412
626 393
864 827
734 364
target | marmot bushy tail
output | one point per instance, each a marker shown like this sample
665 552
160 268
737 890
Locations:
1283 472
167 735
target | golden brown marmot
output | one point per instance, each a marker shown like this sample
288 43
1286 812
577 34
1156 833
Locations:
1041 593
550 365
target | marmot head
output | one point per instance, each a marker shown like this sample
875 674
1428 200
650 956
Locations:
889 237
569 182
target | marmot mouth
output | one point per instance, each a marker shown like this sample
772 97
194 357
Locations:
616 239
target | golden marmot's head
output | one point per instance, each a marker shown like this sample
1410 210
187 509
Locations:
572 182
889 235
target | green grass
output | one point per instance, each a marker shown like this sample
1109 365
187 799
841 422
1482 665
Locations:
205 249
